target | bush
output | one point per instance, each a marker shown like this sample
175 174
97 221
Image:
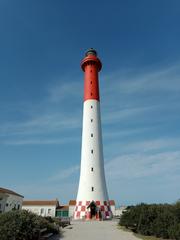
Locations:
160 220
23 225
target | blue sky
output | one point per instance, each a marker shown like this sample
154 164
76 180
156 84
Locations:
41 96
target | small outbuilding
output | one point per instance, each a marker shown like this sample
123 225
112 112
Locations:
112 206
9 200
45 208
62 211
72 205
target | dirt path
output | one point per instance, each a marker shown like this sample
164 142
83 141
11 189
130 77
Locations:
106 230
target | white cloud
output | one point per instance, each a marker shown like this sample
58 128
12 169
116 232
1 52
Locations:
48 122
122 114
117 133
51 115
55 186
63 191
46 117
64 174
70 89
37 141
139 165
164 78
154 144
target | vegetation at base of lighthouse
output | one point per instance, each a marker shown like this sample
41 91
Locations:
24 225
160 220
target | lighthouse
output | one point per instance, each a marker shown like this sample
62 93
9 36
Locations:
92 199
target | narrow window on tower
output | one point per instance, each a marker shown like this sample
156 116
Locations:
91 82
92 189
91 120
91 106
91 134
91 94
92 151
92 169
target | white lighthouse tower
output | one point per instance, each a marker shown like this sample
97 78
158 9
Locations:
92 198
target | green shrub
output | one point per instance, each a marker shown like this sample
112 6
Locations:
160 220
23 225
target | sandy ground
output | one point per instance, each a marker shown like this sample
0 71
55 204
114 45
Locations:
95 231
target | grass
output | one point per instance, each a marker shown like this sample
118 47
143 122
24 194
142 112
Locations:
124 228
139 235
147 237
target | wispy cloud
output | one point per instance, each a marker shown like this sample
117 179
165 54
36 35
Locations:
52 112
39 190
118 133
42 141
70 89
54 186
64 174
138 144
140 165
154 144
122 114
163 78
40 124
131 95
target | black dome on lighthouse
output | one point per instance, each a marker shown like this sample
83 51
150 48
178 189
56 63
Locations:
91 51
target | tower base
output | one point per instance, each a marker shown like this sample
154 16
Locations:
92 210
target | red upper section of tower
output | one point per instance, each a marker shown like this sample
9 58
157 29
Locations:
91 65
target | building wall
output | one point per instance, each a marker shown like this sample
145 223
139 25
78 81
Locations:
119 211
42 210
62 213
71 210
9 202
113 210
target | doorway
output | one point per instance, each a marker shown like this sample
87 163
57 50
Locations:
93 210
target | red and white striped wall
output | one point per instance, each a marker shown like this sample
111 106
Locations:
83 212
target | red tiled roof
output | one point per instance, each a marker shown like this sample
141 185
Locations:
72 202
112 202
8 191
40 203
62 208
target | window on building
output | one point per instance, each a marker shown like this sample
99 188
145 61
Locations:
91 120
7 204
91 134
92 169
42 210
91 150
49 211
92 189
91 82
91 106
